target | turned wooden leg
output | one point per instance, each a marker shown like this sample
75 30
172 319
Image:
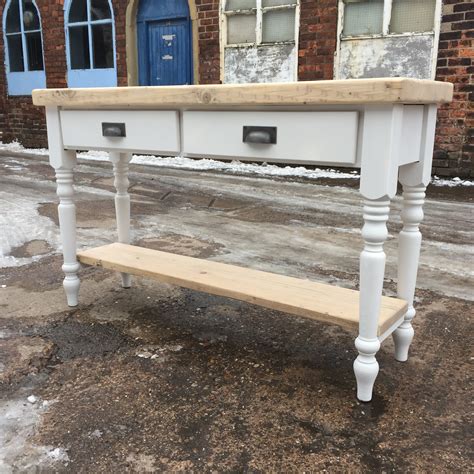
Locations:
409 245
122 203
67 224
372 269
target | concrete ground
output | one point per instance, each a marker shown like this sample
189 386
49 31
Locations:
158 378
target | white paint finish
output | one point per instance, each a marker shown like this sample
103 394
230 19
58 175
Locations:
391 56
302 137
146 131
58 156
387 14
420 172
409 245
412 131
372 271
67 226
120 163
263 63
380 151
63 161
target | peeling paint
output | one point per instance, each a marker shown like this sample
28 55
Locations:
408 56
266 63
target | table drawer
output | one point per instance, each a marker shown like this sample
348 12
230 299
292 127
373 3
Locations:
300 137
143 131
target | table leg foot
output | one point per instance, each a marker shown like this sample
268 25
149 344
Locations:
366 367
403 336
71 284
126 280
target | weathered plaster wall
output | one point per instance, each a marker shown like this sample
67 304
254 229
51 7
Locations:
276 63
409 56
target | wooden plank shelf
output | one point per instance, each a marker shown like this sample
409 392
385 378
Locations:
303 298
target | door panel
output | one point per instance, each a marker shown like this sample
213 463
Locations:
168 53
164 43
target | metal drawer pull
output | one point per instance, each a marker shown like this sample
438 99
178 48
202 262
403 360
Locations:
113 129
265 135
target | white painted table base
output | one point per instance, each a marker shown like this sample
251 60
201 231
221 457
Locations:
385 154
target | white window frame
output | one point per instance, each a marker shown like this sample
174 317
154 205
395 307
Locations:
91 77
387 16
23 82
259 10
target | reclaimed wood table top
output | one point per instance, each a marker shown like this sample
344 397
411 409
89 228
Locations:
337 92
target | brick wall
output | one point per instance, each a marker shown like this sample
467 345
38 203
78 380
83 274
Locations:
209 50
20 120
317 39
454 149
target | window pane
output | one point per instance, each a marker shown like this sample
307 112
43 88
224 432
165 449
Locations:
13 17
240 4
35 52
412 16
278 25
363 17
100 10
30 16
241 29
15 53
78 11
103 46
79 47
274 3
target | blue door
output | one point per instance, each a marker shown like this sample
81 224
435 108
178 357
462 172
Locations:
164 43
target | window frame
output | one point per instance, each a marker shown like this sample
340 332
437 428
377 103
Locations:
91 77
258 11
387 17
21 83
386 33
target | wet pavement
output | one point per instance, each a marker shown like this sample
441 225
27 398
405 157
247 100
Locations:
159 378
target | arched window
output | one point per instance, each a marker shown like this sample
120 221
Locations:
24 47
90 39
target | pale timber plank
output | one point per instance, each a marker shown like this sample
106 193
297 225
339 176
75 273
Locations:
352 91
304 298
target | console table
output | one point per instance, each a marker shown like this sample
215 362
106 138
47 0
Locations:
385 127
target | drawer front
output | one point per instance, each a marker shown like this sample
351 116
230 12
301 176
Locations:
301 137
145 131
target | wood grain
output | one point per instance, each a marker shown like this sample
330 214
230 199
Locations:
304 298
353 91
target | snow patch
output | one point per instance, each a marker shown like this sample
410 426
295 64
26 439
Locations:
16 147
237 167
451 182
20 222
58 454
18 421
